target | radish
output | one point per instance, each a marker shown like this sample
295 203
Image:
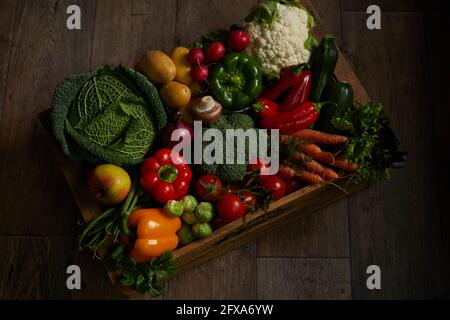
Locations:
238 40
196 56
200 73
215 51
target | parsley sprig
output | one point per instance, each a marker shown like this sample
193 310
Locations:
144 278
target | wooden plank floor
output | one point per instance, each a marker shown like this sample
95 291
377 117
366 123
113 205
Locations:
401 225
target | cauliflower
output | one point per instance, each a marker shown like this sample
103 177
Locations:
282 41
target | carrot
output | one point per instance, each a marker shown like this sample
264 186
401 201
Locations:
286 172
345 165
310 149
310 178
328 158
320 137
310 164
330 175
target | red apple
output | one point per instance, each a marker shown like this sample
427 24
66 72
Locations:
109 184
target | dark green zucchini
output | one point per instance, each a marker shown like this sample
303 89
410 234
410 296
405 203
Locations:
323 63
341 96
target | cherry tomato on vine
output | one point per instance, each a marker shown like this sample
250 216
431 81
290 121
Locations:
230 208
260 168
275 185
248 200
209 188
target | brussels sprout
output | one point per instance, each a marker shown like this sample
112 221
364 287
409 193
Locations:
185 234
189 218
174 208
205 212
189 203
201 230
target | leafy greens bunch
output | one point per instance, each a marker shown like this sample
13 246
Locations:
364 124
144 278
112 114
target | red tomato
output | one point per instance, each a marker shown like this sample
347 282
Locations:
275 185
230 207
260 167
215 51
292 185
209 188
238 40
248 200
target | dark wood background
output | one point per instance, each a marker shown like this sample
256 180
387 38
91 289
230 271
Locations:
401 225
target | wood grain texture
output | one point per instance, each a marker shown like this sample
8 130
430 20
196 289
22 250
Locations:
209 16
396 224
231 276
304 279
322 234
330 15
34 267
7 15
43 53
385 5
124 30
95 284
438 86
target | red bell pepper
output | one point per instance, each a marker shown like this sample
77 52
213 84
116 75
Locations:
166 176
265 108
289 77
299 92
300 118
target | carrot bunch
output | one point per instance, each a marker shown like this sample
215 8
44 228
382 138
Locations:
307 161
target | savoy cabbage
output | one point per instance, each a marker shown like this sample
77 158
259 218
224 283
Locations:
112 114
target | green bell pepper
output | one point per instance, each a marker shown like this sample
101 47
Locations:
236 82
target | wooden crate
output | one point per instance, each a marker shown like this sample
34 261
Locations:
300 203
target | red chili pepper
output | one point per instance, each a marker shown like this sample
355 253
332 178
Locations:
298 119
265 108
299 92
289 77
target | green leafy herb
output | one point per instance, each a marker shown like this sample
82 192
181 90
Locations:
144 278
362 123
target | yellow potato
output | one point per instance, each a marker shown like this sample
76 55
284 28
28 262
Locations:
179 57
157 66
176 95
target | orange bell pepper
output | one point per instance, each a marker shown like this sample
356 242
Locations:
155 233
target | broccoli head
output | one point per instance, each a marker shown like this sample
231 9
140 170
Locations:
228 173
